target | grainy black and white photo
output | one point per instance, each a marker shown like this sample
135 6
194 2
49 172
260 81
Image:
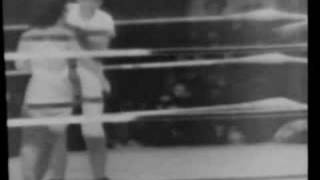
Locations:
156 89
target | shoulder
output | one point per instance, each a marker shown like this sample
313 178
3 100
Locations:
26 40
105 16
58 33
30 35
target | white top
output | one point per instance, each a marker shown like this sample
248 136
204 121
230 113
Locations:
49 82
94 34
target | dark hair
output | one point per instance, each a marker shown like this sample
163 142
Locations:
45 13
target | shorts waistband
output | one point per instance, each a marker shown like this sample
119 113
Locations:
63 104
48 105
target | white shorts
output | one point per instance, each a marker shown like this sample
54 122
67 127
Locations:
88 130
90 84
41 135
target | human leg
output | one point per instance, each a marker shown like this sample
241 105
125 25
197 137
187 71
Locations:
95 139
59 149
42 144
36 147
35 153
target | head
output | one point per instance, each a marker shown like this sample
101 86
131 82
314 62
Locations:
90 4
180 91
46 13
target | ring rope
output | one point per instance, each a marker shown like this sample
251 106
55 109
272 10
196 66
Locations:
202 63
150 52
271 15
223 48
239 16
125 117
191 63
79 54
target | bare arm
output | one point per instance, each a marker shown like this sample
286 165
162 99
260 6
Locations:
93 66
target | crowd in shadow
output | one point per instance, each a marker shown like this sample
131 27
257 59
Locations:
183 88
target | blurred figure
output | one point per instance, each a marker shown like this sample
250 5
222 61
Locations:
49 84
178 96
95 29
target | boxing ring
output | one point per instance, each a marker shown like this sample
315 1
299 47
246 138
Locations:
274 161
257 161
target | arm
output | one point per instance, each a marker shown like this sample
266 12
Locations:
99 38
95 38
92 65
97 68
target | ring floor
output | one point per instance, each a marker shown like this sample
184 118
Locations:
204 162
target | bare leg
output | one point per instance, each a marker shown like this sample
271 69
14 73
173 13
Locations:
59 156
59 149
42 143
95 140
35 153
97 152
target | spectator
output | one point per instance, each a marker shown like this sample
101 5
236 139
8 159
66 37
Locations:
179 96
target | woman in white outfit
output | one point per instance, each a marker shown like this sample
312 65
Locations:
94 29
49 91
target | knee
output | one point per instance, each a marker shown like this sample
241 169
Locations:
29 151
29 160
93 130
